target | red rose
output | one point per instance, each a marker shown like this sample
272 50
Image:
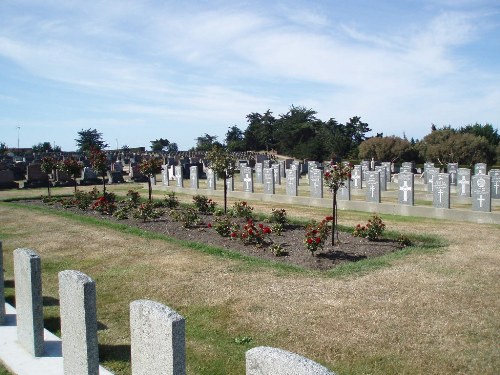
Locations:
261 225
309 240
233 234
318 240
209 225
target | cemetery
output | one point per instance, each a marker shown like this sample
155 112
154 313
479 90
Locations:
268 241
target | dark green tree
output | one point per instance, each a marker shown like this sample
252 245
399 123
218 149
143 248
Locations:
42 147
206 142
71 167
235 139
99 163
158 145
384 148
172 148
259 134
487 131
3 148
90 139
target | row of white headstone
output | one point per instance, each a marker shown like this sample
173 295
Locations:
157 333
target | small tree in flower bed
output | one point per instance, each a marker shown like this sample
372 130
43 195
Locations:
99 162
71 167
372 230
316 234
252 234
105 205
48 166
147 211
223 165
133 198
222 225
334 177
242 209
150 167
204 204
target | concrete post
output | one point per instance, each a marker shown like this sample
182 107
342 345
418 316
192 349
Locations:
29 306
157 336
77 297
2 293
264 360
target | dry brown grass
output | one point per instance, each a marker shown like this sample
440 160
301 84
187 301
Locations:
434 313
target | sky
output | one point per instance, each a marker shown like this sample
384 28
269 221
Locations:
142 70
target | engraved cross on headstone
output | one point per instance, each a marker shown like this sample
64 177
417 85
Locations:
247 180
481 200
405 189
440 192
463 182
372 189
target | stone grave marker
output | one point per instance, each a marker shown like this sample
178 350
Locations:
178 176
356 176
117 167
406 192
316 183
7 180
247 180
268 178
463 182
277 175
387 165
383 177
211 179
242 166
291 182
431 175
295 168
452 168
480 168
405 168
495 183
282 169
266 163
34 173
230 183
365 167
481 193
310 166
165 175
258 173
441 193
115 177
373 187
344 192
427 165
193 177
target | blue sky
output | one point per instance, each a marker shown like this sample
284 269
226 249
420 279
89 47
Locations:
142 70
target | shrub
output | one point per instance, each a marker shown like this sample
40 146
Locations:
279 216
222 226
67 202
188 217
204 204
147 211
171 201
133 197
277 250
254 234
316 235
104 205
122 213
83 200
372 230
242 209
277 228
404 241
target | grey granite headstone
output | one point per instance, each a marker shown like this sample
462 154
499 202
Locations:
357 177
480 168
2 292
80 349
405 169
344 192
495 183
277 175
268 174
441 193
34 173
291 182
365 168
282 169
481 193
452 169
431 175
157 339
258 173
310 166
463 182
296 168
383 177
115 177
427 165
230 183
266 163
316 183
373 187
88 174
272 361
165 177
406 192
241 166
211 179
28 281
247 179
193 177
178 176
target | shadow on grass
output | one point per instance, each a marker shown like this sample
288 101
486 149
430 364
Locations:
112 353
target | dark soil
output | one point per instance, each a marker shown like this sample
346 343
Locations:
347 248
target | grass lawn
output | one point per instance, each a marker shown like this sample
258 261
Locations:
427 311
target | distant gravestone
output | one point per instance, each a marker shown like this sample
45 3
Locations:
211 179
405 168
88 174
452 169
383 177
277 175
441 193
117 167
230 183
427 165
431 175
268 178
495 183
406 192
282 169
310 166
463 182
247 180
344 192
291 182
165 177
258 173
266 163
34 173
387 165
365 168
480 168
7 180
193 177
115 177
356 176
373 187
242 165
296 168
481 193
178 176
316 183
